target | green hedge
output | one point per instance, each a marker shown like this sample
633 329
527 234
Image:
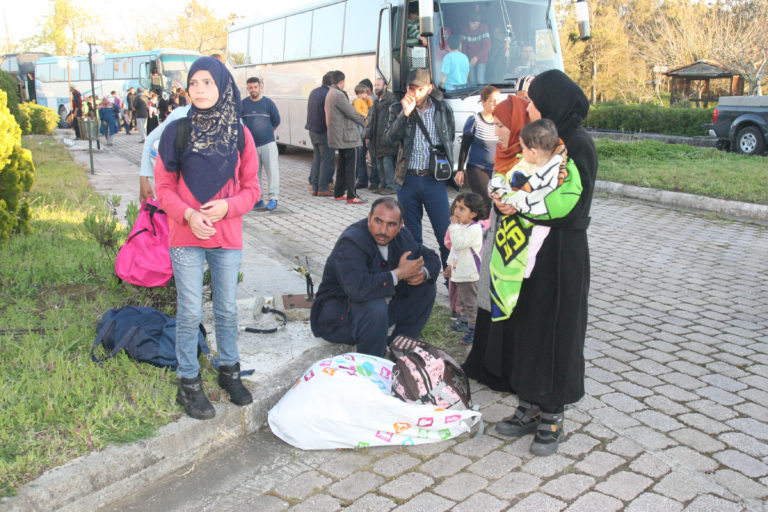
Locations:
650 119
10 85
39 120
16 175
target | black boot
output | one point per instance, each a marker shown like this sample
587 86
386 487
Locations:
229 379
549 434
524 421
192 398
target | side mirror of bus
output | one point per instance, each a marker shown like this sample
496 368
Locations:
427 17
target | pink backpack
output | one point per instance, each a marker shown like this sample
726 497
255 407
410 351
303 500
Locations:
145 258
424 374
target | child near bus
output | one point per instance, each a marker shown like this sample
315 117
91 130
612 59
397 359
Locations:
206 189
463 266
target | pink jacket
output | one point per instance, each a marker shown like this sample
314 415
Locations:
241 194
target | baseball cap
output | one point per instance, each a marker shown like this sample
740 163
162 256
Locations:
418 77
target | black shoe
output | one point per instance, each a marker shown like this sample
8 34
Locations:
548 434
524 421
192 398
229 379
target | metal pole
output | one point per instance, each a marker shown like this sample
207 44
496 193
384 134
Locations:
93 95
90 150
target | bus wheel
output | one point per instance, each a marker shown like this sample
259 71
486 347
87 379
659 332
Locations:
281 149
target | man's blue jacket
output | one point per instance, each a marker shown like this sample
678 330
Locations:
356 272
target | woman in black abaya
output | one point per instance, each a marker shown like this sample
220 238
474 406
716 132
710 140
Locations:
538 352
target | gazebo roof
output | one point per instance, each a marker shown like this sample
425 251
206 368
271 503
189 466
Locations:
701 70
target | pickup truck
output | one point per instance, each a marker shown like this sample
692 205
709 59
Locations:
740 124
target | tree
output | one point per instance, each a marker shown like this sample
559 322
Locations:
66 25
196 29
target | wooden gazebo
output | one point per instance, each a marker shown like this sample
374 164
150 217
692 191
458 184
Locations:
702 70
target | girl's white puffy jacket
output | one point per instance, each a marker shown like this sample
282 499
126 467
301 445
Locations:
466 245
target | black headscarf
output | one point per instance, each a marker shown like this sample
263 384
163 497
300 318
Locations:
210 158
560 99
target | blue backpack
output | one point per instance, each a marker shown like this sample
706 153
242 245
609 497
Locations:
146 335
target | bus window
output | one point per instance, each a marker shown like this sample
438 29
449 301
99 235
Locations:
173 69
237 47
122 67
274 32
359 27
254 44
298 30
58 74
327 29
43 72
139 69
104 71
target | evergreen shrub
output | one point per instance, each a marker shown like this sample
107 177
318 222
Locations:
649 118
10 85
16 175
39 120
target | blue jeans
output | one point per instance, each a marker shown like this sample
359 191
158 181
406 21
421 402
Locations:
425 192
385 167
188 264
477 73
321 173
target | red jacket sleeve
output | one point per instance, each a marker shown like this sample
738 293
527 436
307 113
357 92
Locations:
247 174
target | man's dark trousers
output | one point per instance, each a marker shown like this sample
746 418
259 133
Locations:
321 173
369 322
346 174
426 191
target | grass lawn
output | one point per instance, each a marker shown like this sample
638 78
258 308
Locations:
701 171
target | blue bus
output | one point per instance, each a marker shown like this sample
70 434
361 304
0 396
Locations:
157 70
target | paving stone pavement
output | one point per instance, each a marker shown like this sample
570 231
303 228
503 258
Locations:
676 411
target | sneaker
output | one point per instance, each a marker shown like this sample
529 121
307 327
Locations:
524 421
258 205
356 200
340 198
548 434
325 193
461 325
386 191
454 316
374 188
271 205
314 192
469 336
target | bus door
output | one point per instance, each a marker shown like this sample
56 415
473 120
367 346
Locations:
149 76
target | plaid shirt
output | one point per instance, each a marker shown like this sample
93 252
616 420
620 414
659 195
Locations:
420 154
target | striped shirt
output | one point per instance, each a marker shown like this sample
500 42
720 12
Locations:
483 147
420 152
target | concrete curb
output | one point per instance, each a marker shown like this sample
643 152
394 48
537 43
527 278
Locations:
100 478
731 209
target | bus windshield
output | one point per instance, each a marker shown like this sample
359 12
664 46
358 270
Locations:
174 68
502 39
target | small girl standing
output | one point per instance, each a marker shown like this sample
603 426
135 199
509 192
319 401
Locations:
464 259
205 190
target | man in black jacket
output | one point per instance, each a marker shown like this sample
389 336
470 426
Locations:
321 172
419 190
382 154
376 276
141 112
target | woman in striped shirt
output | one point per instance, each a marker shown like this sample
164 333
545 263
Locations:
478 146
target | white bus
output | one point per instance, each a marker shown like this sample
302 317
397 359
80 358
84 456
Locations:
151 70
365 39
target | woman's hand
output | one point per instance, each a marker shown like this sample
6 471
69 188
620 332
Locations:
506 209
201 225
215 210
459 178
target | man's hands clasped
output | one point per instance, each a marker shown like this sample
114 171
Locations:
412 271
